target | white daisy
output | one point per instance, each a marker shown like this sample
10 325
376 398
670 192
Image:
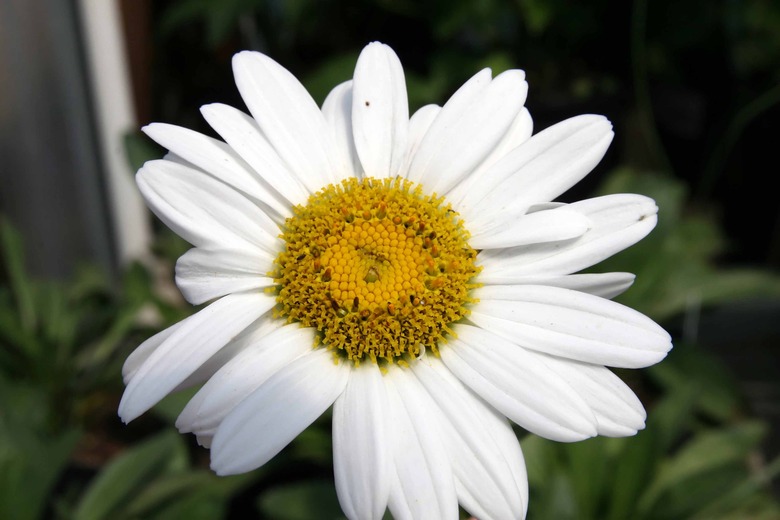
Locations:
411 272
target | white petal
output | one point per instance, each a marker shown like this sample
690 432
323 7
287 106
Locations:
288 117
204 274
188 347
204 440
540 170
361 458
424 486
380 111
518 133
464 96
213 157
337 110
518 384
617 221
264 324
543 226
419 124
263 354
273 415
468 128
139 356
243 134
204 211
605 285
505 437
570 324
485 482
618 411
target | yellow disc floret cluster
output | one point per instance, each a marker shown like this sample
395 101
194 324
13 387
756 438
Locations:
377 267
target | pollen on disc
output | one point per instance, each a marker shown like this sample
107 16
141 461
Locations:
378 267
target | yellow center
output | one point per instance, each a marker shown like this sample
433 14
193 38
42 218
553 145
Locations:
377 267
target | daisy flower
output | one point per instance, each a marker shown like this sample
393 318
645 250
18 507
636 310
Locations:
411 272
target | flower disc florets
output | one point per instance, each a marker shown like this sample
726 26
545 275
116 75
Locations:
377 267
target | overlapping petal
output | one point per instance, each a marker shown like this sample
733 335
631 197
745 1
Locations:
616 222
605 285
187 347
423 486
539 170
203 274
518 384
281 408
204 211
570 324
264 351
362 464
552 225
467 129
618 411
245 137
289 118
486 484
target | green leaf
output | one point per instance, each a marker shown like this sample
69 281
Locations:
703 455
587 469
174 492
541 459
301 501
32 454
118 483
635 465
717 395
13 256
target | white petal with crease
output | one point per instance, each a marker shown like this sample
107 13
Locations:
617 221
264 353
273 415
485 482
213 157
204 211
539 170
518 133
380 111
188 347
618 411
419 124
139 356
543 226
204 274
469 126
263 325
518 384
361 459
289 118
337 109
242 133
570 324
605 285
424 486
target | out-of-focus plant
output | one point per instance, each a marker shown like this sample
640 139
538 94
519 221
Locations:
676 265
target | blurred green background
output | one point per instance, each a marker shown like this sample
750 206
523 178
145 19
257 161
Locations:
693 89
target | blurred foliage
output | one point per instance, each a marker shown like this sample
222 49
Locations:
676 265
63 453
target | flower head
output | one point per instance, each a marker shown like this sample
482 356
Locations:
411 272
